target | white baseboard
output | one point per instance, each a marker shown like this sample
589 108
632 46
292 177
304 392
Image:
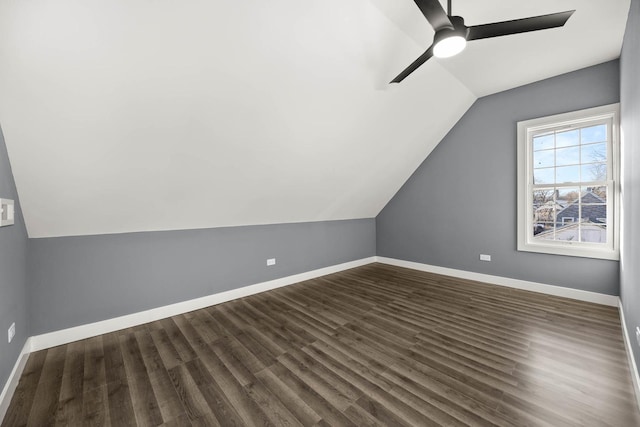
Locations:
14 379
76 333
560 291
632 361
65 336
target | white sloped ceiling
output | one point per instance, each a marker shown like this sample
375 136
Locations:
138 115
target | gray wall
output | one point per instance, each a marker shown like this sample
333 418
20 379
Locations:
78 280
13 269
630 125
461 201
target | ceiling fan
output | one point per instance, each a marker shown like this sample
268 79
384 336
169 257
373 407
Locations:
452 35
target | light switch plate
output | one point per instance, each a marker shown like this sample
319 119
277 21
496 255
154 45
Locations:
12 331
7 212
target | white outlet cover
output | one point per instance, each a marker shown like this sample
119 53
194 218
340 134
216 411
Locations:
7 212
12 331
484 257
271 261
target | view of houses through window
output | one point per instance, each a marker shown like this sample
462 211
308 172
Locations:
569 192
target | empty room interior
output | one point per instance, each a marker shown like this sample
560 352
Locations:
320 213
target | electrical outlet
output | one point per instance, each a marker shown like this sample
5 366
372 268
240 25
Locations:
12 331
484 257
271 261
638 334
7 212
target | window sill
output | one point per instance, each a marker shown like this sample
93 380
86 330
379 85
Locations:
570 250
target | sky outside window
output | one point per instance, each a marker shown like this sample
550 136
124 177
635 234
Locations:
575 155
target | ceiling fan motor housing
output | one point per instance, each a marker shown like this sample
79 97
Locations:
459 29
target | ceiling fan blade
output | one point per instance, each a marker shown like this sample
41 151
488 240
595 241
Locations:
516 26
435 14
414 66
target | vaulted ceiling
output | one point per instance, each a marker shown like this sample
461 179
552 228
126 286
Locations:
137 115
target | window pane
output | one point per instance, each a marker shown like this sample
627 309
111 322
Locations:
568 232
543 176
568 218
568 156
594 213
568 174
566 196
594 134
592 233
600 191
594 172
543 142
594 153
567 138
543 159
542 196
542 233
544 211
568 211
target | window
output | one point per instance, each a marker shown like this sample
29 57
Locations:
568 168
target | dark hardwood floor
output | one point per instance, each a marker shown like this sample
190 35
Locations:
376 345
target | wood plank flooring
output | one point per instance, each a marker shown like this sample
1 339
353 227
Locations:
375 345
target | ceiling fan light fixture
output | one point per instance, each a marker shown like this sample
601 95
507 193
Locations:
449 46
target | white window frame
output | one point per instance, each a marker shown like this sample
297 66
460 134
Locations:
526 130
